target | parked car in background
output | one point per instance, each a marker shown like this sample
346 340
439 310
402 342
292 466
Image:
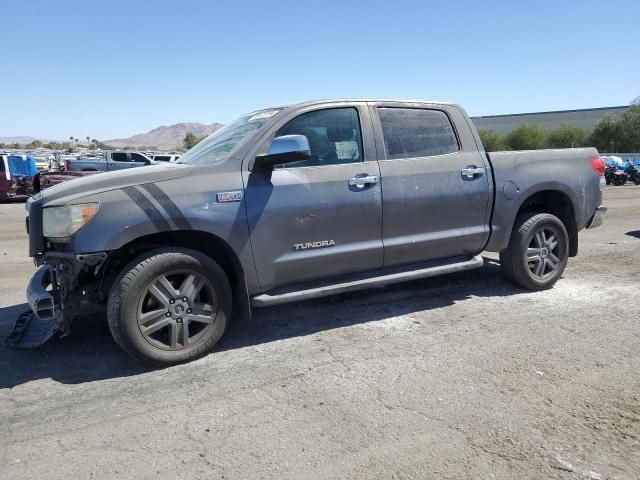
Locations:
42 162
20 177
17 173
107 161
61 160
295 203
162 157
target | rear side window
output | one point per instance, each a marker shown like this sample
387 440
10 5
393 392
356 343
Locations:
334 136
119 157
136 157
161 158
414 132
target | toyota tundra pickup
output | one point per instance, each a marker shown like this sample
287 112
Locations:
294 203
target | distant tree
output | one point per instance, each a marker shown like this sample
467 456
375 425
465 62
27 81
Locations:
607 136
526 137
88 140
98 144
492 141
191 140
568 137
635 101
630 121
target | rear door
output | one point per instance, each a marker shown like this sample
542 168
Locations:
435 183
313 219
119 160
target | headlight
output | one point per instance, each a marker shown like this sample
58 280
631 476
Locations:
62 222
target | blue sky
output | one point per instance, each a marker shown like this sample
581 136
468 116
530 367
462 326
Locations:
115 68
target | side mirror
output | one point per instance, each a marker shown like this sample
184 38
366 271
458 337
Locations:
285 149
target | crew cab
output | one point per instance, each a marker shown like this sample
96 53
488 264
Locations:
107 161
293 203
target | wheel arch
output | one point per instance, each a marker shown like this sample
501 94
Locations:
557 203
204 242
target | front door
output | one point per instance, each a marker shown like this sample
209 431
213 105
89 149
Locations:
313 219
435 183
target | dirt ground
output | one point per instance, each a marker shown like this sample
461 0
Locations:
463 376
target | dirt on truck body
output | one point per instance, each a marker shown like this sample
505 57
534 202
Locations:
294 203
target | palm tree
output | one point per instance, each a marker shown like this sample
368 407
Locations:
88 141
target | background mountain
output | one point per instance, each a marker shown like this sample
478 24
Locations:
165 137
19 139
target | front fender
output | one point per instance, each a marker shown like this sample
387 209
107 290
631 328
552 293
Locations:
183 205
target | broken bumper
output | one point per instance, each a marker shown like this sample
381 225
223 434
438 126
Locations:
40 300
35 327
64 287
598 217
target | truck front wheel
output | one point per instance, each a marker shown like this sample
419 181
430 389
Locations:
169 306
537 253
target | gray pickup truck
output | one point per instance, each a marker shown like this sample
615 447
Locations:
108 161
294 203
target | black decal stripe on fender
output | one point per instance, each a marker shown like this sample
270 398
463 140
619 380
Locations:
148 208
169 206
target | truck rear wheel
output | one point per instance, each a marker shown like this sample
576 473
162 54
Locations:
169 306
537 253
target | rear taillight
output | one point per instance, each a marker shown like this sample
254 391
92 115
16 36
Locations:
597 163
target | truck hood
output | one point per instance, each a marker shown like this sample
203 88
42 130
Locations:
78 187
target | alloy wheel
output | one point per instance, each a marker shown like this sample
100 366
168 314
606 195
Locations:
177 310
544 256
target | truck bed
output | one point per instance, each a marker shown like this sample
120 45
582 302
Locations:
518 174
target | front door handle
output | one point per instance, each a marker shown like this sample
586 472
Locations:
363 181
472 171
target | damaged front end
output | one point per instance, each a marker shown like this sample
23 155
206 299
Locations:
65 286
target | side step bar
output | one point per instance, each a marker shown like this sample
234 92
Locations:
267 299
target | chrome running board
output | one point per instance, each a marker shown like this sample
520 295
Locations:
279 296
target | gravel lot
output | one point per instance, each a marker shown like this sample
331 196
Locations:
462 376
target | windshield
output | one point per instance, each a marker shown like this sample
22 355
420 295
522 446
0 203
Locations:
217 146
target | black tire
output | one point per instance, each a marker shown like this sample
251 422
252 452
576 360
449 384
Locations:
519 261
170 344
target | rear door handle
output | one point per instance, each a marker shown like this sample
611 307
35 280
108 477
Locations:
472 171
363 181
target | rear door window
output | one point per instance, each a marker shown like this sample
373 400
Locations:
136 157
119 157
416 132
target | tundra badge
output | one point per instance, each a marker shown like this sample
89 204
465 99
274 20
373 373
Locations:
318 244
